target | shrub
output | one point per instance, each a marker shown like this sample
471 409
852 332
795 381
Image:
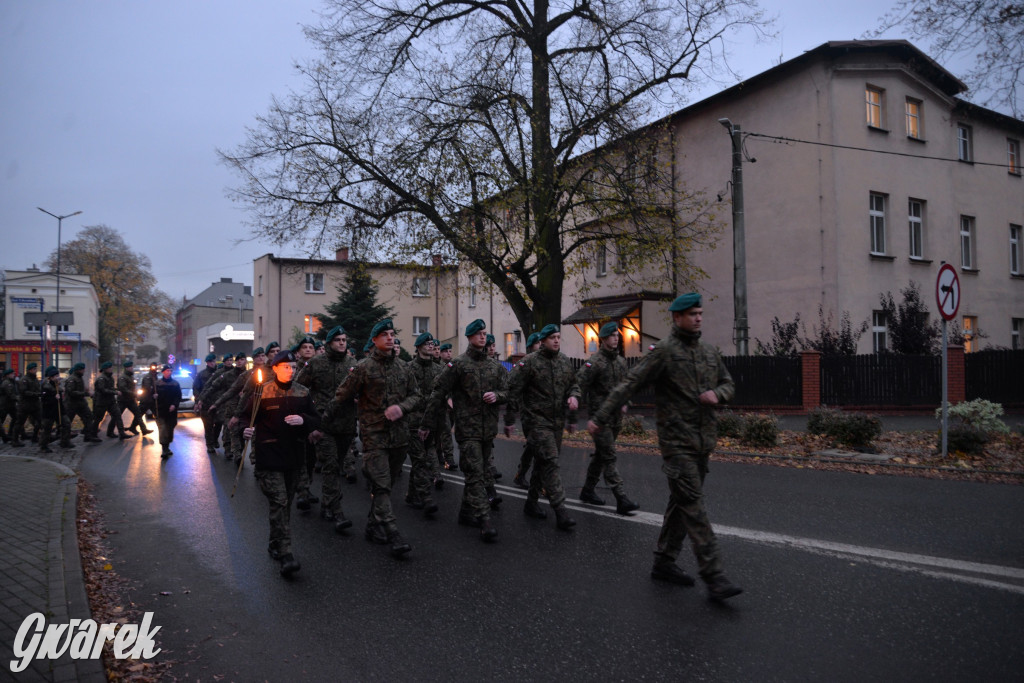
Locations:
821 420
760 430
977 414
965 439
856 430
632 426
730 424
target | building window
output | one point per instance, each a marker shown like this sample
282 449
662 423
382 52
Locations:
260 331
967 260
970 332
510 345
314 283
876 212
260 290
878 331
874 98
1016 325
915 218
310 324
602 260
913 119
620 256
1013 156
53 328
421 286
472 291
964 145
1016 256
420 325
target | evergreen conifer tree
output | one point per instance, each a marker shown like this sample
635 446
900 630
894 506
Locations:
356 308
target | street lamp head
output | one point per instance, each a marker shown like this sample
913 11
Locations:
727 123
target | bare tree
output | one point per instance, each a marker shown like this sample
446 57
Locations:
992 31
495 131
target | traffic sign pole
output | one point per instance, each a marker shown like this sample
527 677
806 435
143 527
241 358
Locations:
947 296
945 391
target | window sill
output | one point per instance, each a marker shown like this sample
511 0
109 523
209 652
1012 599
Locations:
881 257
420 296
1015 174
913 138
310 291
972 271
877 129
921 261
969 162
1017 276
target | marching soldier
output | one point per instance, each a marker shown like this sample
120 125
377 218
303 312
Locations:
304 352
322 376
690 379
28 405
544 387
167 393
8 404
202 381
422 452
445 445
75 404
147 397
471 382
226 404
602 372
386 393
211 392
52 413
127 401
511 412
104 402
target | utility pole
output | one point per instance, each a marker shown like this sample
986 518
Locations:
741 331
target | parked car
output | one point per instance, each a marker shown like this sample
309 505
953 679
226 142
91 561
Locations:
188 401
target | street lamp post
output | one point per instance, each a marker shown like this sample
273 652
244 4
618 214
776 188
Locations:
56 332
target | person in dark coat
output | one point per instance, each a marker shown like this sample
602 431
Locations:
52 414
285 417
167 396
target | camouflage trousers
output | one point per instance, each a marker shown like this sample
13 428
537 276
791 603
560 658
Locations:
603 461
331 452
212 425
474 461
686 516
445 447
279 488
546 445
101 410
381 467
18 426
423 456
47 427
80 409
132 406
233 441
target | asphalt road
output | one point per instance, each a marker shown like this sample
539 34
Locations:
848 578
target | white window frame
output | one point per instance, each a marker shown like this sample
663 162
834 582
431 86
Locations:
1016 329
420 324
1016 253
879 332
875 106
472 291
913 118
510 345
876 222
602 260
1013 156
261 285
967 252
915 223
312 280
964 142
421 286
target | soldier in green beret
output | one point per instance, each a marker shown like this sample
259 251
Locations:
29 391
546 392
52 413
212 390
126 397
75 404
512 414
597 377
386 392
8 404
199 384
304 352
689 380
104 401
445 444
422 452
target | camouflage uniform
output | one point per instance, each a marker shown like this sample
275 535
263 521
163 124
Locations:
512 413
75 404
217 386
602 372
127 401
8 403
379 381
147 397
28 407
227 407
541 386
466 379
322 376
422 453
681 368
52 414
202 380
105 402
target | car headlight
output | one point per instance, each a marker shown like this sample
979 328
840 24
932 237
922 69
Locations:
139 392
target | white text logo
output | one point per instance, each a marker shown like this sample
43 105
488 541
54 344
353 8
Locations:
82 639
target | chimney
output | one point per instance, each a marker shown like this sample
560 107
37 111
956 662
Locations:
341 254
436 258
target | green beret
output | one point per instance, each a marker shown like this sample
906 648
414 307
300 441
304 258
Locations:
8 371
383 326
446 347
241 355
211 357
335 331
490 339
475 327
607 330
128 363
77 366
33 366
104 366
547 331
318 345
273 345
229 356
51 371
283 357
423 339
258 350
531 340
685 301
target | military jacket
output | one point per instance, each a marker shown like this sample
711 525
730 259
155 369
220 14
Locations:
228 400
30 392
378 381
278 445
542 387
126 388
49 401
104 390
323 375
680 367
426 371
148 383
466 379
602 372
74 389
254 380
218 386
8 393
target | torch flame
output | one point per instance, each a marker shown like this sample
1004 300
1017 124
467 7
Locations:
259 377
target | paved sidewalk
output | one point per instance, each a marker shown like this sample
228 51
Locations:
40 565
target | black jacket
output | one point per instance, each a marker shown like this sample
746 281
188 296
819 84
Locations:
277 445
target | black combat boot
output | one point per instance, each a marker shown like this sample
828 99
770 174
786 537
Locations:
623 505
166 453
720 588
289 565
340 521
429 508
468 519
399 547
413 502
670 572
374 534
587 495
533 509
494 498
302 501
487 531
564 521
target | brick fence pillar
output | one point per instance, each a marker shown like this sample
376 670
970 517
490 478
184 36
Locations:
810 379
956 374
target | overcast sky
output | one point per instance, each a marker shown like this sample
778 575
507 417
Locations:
116 108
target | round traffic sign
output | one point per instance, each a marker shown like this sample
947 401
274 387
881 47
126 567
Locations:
947 292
